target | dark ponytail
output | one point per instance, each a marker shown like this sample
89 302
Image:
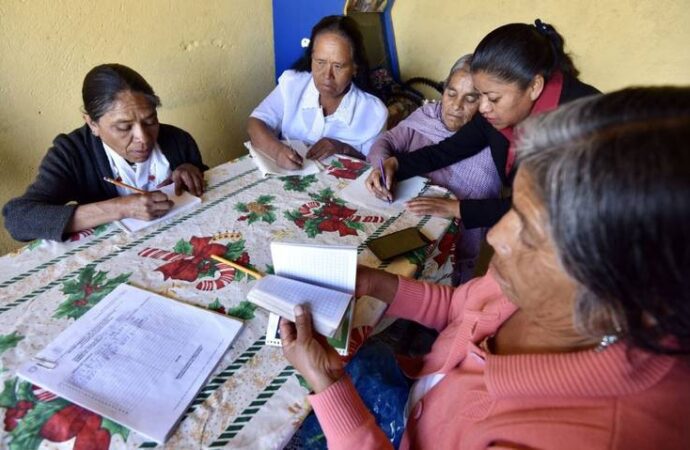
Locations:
517 52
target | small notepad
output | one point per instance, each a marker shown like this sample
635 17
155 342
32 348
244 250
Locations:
268 167
182 203
357 193
280 295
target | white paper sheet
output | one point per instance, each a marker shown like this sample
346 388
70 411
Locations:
357 193
136 357
268 167
182 203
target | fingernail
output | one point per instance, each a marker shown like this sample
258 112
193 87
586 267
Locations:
299 310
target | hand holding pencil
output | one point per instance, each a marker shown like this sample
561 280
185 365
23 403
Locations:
380 179
143 205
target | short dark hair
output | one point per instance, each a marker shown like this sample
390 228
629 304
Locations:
517 52
103 83
347 28
613 172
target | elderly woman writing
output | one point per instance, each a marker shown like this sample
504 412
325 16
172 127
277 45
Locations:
321 102
122 139
579 334
474 177
518 70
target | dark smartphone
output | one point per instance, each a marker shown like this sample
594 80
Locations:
398 243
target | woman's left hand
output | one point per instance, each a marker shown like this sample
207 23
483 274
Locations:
188 176
309 352
442 207
325 147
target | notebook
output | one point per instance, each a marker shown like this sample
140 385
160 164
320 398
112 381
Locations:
136 357
268 167
357 193
280 295
182 203
330 267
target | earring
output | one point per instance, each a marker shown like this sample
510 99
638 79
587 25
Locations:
606 341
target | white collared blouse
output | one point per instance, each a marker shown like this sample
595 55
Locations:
292 110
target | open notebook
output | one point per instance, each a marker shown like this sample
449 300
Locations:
358 194
268 167
136 357
333 268
182 203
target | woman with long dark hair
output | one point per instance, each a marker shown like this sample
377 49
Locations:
519 70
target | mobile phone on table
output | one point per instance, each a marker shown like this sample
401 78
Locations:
397 243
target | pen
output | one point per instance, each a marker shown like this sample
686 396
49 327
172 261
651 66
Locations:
124 185
383 179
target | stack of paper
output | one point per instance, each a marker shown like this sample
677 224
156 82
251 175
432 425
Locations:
181 203
136 358
268 167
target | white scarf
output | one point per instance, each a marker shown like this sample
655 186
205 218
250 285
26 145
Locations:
145 175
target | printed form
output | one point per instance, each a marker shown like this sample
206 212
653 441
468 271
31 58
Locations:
136 357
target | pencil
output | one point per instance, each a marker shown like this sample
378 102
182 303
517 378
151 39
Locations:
251 272
124 185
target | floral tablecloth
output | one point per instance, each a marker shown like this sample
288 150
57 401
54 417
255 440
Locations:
254 398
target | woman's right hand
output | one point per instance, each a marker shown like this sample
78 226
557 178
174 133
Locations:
374 182
148 206
288 158
309 352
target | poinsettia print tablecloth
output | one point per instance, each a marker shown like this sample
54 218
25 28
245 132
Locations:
254 398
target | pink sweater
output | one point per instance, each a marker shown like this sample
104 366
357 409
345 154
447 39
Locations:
568 401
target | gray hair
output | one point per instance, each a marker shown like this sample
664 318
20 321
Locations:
613 172
463 63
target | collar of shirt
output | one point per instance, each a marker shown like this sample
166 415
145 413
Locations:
345 111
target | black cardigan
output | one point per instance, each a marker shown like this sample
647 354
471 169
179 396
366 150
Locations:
470 140
72 171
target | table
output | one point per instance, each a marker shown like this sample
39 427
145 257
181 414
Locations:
253 399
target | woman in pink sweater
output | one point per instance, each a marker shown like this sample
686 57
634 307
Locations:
579 334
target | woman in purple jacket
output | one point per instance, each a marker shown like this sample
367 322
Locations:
474 177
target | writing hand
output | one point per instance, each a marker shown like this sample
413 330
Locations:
148 206
308 352
288 158
374 181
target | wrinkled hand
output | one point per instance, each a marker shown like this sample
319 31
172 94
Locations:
374 183
186 176
149 206
308 352
442 207
324 148
288 158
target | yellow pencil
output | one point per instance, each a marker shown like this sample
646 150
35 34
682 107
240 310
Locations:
251 272
124 185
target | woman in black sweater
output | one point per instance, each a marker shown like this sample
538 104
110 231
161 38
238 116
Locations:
122 139
519 70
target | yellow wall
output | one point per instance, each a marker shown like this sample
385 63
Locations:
615 43
212 61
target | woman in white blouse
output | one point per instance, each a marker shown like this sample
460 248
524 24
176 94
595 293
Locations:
319 102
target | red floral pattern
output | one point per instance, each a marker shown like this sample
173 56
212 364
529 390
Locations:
346 168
